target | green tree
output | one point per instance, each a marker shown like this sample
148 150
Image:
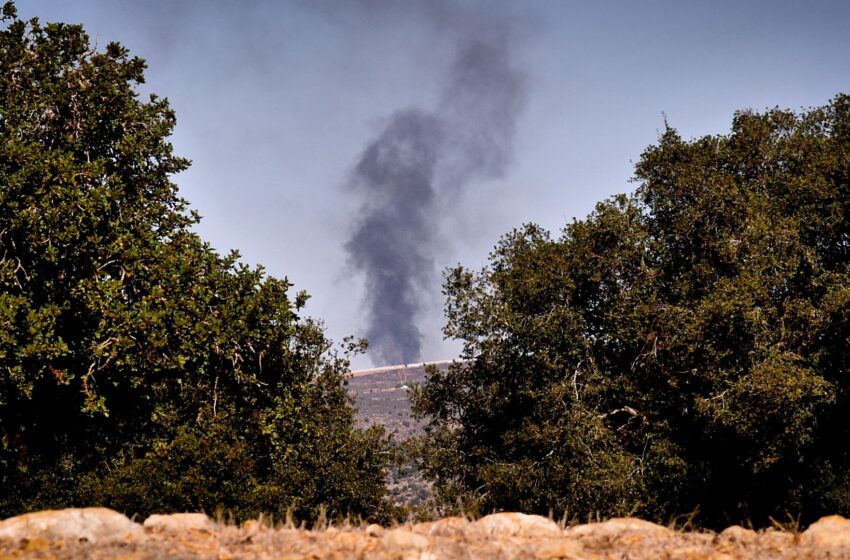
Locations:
685 347
138 368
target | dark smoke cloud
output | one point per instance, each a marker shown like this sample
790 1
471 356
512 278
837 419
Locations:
420 158
393 240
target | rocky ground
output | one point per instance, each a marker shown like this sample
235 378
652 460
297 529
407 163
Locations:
381 397
101 533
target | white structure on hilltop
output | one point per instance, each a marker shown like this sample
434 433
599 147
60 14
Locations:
401 367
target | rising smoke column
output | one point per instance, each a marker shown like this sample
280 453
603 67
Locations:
415 160
393 241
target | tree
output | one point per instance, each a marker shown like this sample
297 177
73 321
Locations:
139 368
684 347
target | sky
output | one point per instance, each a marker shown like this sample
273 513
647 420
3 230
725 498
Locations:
279 101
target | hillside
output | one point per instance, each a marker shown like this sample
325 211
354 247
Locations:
380 396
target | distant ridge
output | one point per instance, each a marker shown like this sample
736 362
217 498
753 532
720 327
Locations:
371 371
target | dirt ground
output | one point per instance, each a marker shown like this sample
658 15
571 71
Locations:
499 536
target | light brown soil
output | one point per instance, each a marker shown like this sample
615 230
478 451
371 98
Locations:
502 536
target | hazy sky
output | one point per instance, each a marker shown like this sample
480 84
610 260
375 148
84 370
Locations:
277 100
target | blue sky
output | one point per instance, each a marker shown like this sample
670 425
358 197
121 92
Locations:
276 100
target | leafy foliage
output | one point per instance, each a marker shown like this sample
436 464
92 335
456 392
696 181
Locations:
685 347
139 368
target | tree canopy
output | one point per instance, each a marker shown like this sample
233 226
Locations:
686 347
139 368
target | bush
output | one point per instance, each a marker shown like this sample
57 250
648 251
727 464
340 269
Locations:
140 369
685 347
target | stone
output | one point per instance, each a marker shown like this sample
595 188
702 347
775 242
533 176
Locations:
83 524
349 540
548 549
253 527
829 532
720 556
175 522
518 524
374 530
775 541
737 535
446 527
411 555
404 539
624 531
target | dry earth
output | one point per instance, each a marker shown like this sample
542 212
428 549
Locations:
99 533
381 397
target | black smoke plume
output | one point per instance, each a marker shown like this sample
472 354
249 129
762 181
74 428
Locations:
418 159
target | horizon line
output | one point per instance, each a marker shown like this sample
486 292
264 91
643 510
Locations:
370 371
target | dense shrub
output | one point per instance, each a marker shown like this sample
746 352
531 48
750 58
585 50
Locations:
685 347
140 369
